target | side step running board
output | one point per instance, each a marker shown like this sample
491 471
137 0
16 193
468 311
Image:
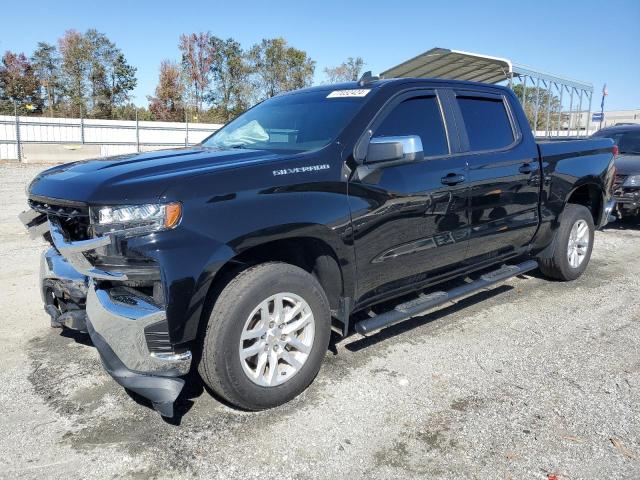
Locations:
413 308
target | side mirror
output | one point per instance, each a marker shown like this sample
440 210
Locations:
394 149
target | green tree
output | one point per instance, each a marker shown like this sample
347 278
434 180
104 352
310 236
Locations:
198 55
46 66
279 67
129 111
18 83
94 74
231 93
76 60
168 105
110 77
546 101
348 71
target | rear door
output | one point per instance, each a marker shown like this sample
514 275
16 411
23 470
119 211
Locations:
503 178
410 220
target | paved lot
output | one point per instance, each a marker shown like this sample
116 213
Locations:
530 379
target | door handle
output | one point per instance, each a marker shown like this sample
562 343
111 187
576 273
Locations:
453 179
526 169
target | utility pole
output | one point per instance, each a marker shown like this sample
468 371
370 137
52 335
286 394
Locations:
604 94
17 121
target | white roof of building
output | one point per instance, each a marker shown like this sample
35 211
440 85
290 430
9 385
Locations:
453 65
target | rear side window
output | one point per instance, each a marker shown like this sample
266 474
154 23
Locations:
417 116
487 123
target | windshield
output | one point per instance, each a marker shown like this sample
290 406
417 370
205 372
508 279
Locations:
297 122
627 142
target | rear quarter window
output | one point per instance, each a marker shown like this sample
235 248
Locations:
487 122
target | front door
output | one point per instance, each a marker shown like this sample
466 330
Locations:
410 220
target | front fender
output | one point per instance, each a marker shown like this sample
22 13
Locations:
241 215
188 274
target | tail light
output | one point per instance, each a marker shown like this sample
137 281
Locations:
615 150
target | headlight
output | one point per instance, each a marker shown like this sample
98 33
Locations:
135 219
632 181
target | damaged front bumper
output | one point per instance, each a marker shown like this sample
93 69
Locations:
119 322
63 291
129 329
628 198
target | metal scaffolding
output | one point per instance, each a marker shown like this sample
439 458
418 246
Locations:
459 65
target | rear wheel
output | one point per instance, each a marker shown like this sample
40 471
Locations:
266 337
574 244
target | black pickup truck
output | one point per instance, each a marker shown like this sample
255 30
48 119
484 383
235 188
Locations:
335 207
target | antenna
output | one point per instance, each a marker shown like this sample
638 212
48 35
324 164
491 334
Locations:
367 78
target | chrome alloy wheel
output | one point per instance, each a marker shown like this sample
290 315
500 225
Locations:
276 339
578 243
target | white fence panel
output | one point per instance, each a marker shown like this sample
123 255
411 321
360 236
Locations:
113 137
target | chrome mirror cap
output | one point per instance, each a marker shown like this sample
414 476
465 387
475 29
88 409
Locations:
406 148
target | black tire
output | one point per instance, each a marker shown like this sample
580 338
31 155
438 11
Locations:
558 266
220 366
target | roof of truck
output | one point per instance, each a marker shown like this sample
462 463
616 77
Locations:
378 83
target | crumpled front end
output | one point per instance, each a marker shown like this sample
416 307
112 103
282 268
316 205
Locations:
95 284
626 195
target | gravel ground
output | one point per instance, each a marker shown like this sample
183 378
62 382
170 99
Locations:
527 380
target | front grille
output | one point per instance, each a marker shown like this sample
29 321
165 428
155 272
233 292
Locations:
58 208
73 216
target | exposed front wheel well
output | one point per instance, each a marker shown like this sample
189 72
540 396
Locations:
310 254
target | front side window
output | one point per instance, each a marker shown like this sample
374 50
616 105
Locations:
297 122
417 116
486 121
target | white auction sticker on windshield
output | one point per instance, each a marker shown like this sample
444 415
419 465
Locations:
349 93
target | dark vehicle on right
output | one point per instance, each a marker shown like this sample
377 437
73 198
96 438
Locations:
626 190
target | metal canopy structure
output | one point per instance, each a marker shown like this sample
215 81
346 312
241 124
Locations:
544 111
453 65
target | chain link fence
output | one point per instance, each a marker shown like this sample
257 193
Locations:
35 138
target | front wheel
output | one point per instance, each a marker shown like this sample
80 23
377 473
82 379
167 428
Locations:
266 337
574 244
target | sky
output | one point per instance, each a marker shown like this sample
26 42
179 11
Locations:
592 41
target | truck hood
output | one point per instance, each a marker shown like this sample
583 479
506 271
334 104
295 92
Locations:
138 177
628 164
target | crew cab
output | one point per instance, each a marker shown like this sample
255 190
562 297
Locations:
339 207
